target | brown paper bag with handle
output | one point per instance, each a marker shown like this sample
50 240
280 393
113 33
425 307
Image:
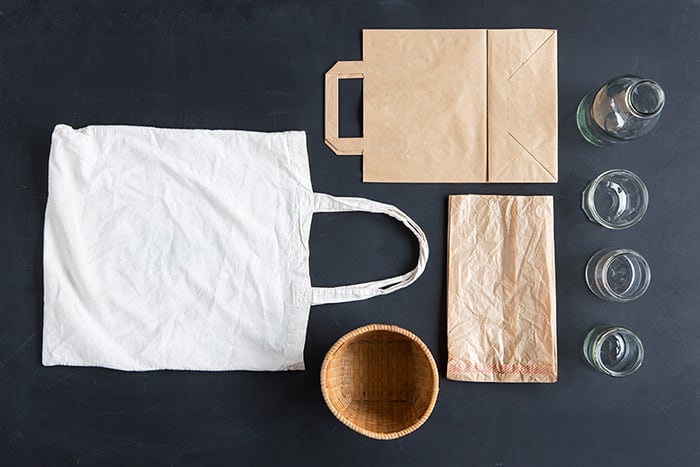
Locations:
470 105
501 318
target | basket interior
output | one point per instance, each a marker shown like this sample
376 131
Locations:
380 380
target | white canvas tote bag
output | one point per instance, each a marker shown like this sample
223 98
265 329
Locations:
186 249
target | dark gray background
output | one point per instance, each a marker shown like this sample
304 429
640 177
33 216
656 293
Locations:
260 66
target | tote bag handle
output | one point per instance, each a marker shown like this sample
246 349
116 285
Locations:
350 293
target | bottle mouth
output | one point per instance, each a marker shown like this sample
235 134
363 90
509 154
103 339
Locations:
646 98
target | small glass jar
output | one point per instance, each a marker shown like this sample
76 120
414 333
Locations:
616 199
618 274
623 109
613 350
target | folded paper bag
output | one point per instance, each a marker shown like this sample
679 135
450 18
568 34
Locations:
463 105
501 289
186 249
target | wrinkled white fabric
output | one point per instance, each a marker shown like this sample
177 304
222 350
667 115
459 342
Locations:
186 249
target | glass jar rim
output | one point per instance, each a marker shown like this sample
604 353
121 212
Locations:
613 253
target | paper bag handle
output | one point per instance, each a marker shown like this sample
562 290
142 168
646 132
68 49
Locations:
351 293
341 70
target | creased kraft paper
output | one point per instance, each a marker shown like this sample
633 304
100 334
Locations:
501 303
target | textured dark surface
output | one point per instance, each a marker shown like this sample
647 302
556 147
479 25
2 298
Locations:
259 66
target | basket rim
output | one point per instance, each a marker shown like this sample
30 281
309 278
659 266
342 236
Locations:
371 328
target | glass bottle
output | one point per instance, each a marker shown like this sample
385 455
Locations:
623 109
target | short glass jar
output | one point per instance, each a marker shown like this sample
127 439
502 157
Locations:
613 350
618 274
616 199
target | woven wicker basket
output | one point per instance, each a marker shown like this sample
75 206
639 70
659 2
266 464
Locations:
380 380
